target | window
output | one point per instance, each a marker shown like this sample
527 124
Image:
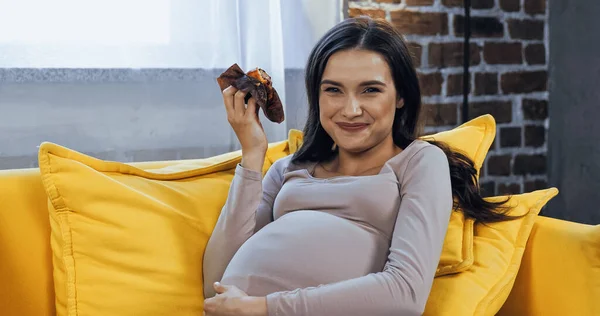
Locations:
135 79
159 33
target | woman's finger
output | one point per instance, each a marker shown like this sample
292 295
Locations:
220 288
239 106
209 306
251 110
228 94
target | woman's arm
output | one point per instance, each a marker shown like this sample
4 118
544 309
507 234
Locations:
404 285
248 208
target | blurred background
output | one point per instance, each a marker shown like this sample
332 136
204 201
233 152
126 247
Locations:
134 80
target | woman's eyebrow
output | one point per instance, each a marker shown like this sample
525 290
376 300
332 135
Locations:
372 82
331 82
364 83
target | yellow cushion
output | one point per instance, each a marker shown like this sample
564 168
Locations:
560 271
127 241
498 248
97 206
472 138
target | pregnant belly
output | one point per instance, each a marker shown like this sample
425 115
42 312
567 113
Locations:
303 249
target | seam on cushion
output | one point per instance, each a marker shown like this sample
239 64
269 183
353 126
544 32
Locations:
467 248
69 263
62 211
49 183
449 269
111 166
503 279
124 168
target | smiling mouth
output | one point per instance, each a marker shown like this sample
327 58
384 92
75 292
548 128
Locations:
352 127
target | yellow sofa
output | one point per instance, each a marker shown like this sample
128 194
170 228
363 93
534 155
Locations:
559 274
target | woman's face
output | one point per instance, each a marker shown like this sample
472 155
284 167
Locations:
357 100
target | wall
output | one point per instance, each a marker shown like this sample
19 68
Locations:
508 64
122 114
574 134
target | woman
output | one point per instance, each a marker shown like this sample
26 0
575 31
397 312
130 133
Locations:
353 223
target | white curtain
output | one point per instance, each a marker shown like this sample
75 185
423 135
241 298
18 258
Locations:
271 34
145 43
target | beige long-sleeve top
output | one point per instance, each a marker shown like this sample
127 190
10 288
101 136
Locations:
348 245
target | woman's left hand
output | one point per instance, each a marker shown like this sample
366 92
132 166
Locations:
231 301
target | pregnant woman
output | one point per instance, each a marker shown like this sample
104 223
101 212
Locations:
353 223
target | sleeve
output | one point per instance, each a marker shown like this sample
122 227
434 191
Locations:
403 287
248 208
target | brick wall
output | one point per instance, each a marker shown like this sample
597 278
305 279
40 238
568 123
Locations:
508 66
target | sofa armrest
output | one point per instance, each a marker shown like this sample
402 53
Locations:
560 271
26 284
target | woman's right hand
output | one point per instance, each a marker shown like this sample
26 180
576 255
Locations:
247 127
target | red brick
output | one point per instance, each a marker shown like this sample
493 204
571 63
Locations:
535 109
374 13
510 137
524 82
530 164
509 188
500 110
431 84
486 83
535 185
475 4
418 2
453 3
526 29
440 114
420 23
503 53
480 26
482 4
499 165
510 5
535 6
417 52
535 135
451 54
454 84
535 54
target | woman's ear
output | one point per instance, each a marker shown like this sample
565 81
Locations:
400 103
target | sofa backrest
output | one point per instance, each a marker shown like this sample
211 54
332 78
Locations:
26 284
559 273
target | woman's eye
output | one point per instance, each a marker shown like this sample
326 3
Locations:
372 90
332 89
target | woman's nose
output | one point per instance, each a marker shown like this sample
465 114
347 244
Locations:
352 108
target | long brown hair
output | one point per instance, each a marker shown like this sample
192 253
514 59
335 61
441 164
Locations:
380 36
